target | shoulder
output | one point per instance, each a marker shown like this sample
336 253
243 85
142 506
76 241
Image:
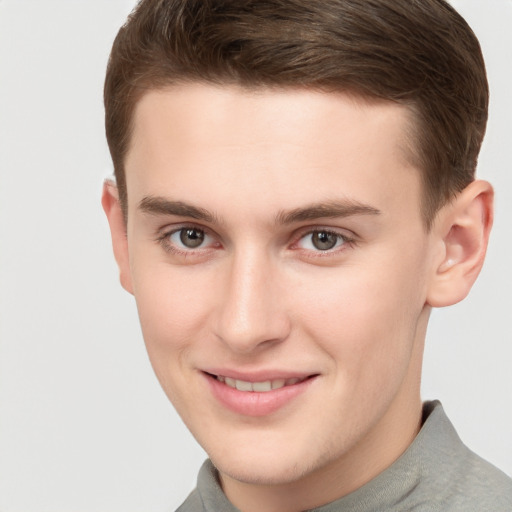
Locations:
478 486
455 478
192 504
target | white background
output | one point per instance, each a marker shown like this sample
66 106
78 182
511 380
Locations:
84 426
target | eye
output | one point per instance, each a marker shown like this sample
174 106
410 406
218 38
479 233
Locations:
186 238
322 240
190 237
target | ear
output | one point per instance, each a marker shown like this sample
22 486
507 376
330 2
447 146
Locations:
112 208
462 228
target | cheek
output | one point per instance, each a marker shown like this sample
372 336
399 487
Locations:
172 319
365 319
170 313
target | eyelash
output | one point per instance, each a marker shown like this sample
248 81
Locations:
347 241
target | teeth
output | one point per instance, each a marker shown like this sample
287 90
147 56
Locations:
230 382
279 383
260 387
242 385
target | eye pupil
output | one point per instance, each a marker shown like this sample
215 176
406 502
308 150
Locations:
323 240
191 237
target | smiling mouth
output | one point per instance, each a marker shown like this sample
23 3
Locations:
259 387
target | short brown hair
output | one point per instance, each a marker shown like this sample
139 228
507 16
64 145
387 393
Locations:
420 53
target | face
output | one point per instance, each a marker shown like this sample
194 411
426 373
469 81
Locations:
280 266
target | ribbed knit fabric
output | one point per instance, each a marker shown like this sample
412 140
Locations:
437 473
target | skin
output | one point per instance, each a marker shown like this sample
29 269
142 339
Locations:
257 295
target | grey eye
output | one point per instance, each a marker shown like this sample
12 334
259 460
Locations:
191 237
324 240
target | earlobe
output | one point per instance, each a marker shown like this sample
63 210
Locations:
116 220
463 229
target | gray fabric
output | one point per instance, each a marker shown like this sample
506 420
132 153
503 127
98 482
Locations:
437 473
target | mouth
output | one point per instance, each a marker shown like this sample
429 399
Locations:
259 387
257 397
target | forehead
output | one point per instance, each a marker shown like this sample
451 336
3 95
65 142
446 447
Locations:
292 145
195 109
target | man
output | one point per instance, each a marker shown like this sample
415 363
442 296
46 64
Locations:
294 192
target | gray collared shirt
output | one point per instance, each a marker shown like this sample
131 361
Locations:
437 473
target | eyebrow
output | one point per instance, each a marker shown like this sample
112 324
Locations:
326 210
162 206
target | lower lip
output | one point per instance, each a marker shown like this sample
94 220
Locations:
254 403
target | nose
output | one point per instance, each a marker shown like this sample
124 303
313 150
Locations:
251 312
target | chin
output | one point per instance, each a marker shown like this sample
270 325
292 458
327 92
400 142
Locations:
261 472
265 466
